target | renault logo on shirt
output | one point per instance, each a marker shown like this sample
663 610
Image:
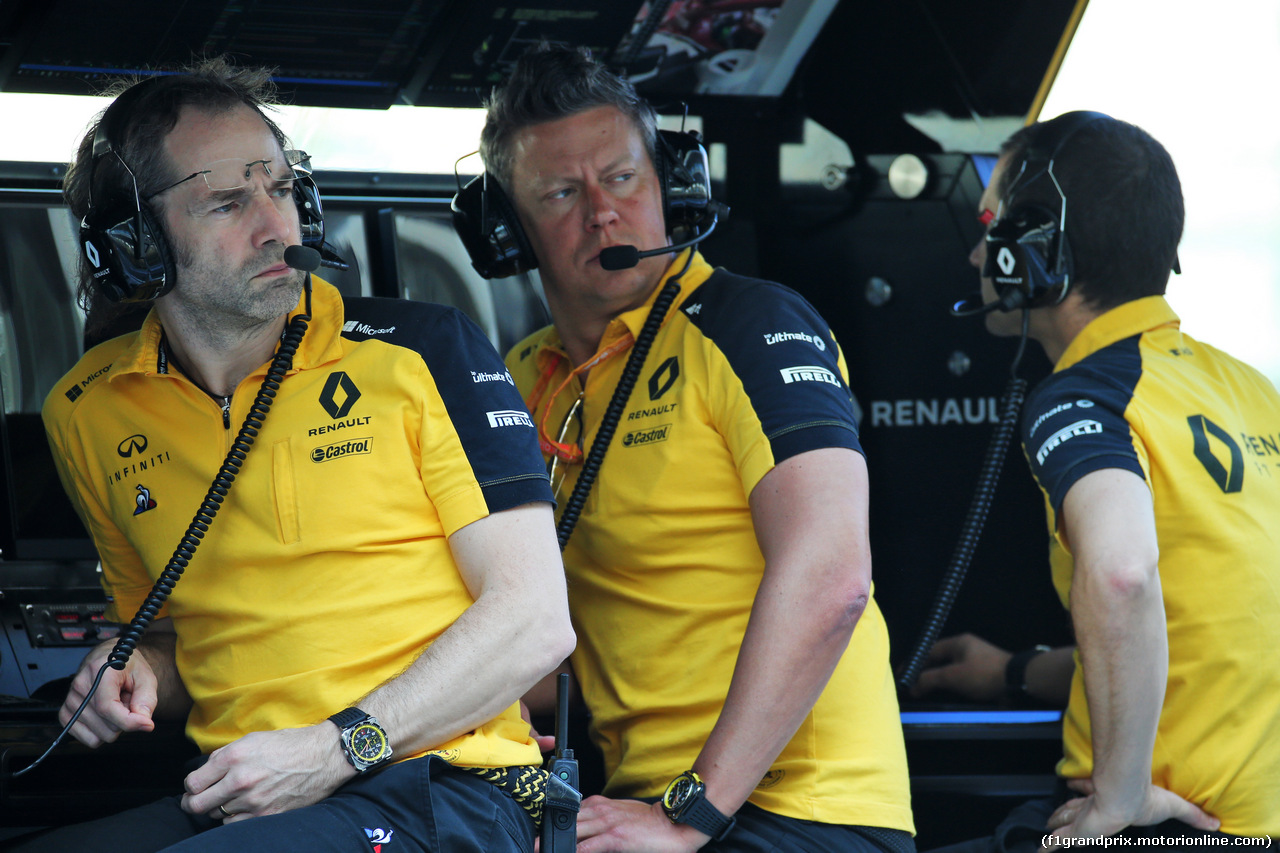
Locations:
1229 479
664 377
339 394
809 373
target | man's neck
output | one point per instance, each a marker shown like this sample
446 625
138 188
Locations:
217 360
1061 325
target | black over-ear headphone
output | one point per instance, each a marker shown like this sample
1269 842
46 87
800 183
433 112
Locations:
486 220
1028 256
120 236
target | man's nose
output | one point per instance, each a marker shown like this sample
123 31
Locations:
978 256
601 210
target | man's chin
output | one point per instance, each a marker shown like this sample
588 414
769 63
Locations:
1004 324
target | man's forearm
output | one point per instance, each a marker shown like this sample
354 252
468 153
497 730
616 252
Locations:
809 515
1118 612
476 669
782 668
516 631
1124 653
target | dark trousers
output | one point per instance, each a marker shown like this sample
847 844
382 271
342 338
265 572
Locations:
415 806
759 831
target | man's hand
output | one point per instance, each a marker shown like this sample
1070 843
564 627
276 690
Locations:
965 664
125 700
624 826
1089 817
268 773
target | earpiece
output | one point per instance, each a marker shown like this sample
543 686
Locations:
1028 254
486 221
120 237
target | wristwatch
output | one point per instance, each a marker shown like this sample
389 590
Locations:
685 801
1015 671
364 740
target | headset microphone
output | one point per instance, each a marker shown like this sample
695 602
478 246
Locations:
625 257
973 305
302 258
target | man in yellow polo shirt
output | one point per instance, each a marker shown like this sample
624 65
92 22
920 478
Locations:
731 653
371 582
1158 457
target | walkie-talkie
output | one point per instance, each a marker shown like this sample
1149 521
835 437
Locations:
560 813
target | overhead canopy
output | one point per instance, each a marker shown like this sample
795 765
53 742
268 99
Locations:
856 66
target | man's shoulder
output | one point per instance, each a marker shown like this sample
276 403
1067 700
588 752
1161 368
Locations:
88 374
728 302
433 331
376 316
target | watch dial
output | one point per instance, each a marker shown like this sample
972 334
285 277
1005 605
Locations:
678 792
368 742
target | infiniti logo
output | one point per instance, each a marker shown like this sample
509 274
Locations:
131 445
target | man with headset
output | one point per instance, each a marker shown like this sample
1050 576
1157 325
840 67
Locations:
1157 457
719 563
373 579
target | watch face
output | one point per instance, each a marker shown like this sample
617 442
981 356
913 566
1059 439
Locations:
368 742
680 793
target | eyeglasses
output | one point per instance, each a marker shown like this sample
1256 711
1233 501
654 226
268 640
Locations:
562 460
234 173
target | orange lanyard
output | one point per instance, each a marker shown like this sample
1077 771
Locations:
569 452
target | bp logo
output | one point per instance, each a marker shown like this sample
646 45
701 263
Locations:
1005 260
1208 441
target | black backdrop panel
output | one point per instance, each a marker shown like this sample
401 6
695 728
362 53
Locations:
928 384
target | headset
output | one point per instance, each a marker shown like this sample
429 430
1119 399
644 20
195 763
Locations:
1028 254
486 220
120 236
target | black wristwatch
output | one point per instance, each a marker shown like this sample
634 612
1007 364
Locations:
685 801
364 740
1015 671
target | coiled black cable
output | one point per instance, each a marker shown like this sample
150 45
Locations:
168 579
613 412
949 587
213 499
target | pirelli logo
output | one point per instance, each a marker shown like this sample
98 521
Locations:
509 417
1085 427
351 447
651 435
809 373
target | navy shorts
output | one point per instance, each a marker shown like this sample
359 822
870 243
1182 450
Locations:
415 806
